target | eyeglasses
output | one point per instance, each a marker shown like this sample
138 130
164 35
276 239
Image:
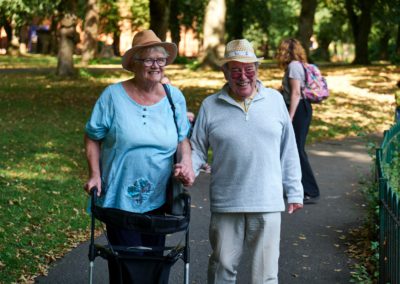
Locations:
236 73
150 61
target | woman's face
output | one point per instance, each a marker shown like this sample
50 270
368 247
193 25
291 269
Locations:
150 66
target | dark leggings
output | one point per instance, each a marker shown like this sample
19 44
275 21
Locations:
123 237
301 125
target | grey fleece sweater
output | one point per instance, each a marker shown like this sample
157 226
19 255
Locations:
255 156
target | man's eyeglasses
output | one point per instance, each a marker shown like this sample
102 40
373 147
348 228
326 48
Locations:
237 74
150 61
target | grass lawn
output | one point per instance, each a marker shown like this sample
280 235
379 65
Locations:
42 162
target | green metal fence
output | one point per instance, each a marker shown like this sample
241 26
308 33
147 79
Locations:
389 210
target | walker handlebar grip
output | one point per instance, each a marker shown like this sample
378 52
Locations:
93 193
94 190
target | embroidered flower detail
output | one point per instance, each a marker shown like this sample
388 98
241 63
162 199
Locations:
140 190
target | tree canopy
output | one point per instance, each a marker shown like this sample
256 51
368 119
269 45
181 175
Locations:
372 27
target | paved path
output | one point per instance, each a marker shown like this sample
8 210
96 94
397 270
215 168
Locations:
313 245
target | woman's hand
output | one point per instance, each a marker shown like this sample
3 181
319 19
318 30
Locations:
184 173
93 182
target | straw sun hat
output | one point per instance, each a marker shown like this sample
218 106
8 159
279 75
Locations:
147 38
239 50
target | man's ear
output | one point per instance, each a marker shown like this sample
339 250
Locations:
225 71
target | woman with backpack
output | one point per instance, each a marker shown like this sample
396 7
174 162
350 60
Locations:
291 58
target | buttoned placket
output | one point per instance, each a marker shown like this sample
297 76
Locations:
144 116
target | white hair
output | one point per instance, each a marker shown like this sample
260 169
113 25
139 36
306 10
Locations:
157 48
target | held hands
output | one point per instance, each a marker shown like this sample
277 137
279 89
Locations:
294 207
184 173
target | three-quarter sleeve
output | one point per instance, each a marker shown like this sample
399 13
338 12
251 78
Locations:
101 118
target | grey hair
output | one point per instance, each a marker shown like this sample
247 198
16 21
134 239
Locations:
141 51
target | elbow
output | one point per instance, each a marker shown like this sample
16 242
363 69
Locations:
296 95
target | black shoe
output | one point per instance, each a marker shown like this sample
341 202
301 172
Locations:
310 199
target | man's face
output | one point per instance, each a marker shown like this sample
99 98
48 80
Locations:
241 77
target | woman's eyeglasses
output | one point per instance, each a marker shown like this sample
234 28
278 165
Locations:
150 61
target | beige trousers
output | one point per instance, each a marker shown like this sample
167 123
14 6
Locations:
230 233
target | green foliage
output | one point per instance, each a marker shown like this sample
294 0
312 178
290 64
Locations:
360 275
331 22
265 23
367 244
392 171
140 14
23 11
110 15
191 13
397 98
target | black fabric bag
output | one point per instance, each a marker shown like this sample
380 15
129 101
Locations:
174 204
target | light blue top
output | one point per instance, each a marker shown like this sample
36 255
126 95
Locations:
138 144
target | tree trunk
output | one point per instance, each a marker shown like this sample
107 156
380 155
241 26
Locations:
398 41
89 49
24 39
306 23
116 37
237 22
324 49
159 17
361 27
174 24
384 46
213 33
54 39
125 25
13 47
67 34
8 29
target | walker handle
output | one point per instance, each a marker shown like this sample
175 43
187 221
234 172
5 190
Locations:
93 192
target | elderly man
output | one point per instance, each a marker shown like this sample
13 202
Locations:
255 162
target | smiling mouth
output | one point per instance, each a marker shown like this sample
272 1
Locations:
243 84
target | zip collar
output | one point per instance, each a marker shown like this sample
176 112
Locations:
224 94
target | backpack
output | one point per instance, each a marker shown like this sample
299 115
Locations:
315 88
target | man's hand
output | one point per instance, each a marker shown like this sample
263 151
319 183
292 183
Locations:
294 207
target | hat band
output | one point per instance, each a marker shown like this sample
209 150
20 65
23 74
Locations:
241 53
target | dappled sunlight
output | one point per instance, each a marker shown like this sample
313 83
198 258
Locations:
28 174
42 162
341 154
361 98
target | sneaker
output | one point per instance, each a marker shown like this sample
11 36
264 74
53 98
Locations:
310 199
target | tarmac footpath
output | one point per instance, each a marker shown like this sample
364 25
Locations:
313 240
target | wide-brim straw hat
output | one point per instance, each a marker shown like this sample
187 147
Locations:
147 38
239 50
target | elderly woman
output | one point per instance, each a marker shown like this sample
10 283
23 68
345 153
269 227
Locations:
291 56
131 139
